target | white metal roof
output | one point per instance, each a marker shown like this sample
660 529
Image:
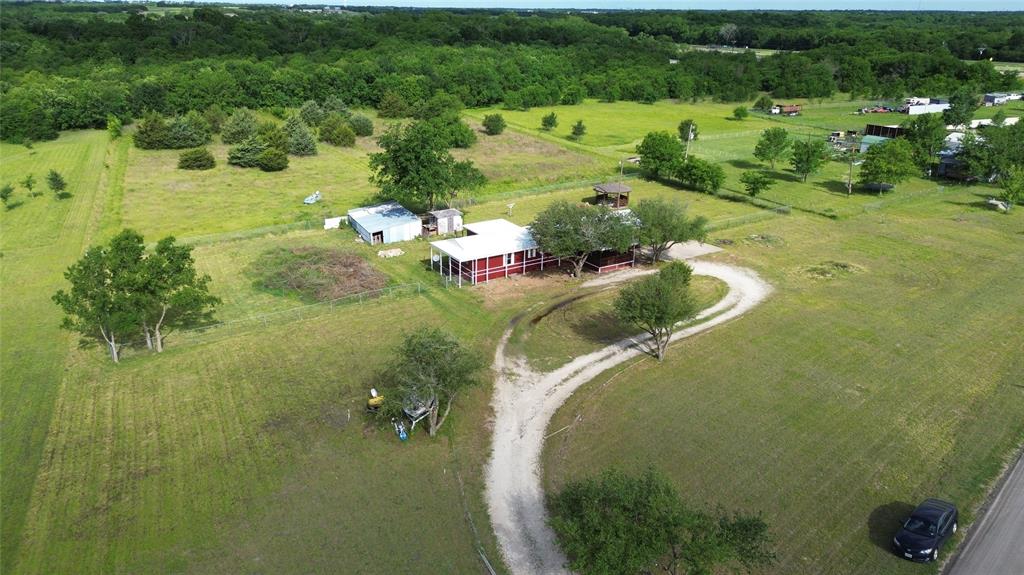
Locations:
383 216
490 238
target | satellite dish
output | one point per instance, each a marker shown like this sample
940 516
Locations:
436 258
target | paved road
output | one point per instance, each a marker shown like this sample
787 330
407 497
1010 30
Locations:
995 544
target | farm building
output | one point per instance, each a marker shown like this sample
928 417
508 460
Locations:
385 223
890 131
868 141
498 248
999 98
613 195
933 105
786 109
491 249
441 222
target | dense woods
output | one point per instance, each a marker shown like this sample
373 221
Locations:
71 65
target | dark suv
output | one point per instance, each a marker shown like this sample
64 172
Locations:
927 528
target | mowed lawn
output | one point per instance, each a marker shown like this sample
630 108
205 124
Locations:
839 403
160 199
39 237
252 454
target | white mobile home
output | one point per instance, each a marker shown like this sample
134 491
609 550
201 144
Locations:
385 223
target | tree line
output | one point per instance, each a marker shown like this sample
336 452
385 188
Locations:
65 70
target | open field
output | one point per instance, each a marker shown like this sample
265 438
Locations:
840 402
161 199
40 238
244 449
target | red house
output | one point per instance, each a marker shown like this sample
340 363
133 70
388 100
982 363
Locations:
490 250
498 248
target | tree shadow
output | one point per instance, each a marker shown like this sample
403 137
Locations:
602 328
784 176
981 203
64 195
745 165
15 205
884 522
836 187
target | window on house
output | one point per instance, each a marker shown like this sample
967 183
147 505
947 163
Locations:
510 259
531 253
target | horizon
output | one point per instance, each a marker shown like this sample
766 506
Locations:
660 5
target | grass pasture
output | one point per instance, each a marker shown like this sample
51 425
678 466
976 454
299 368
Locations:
161 199
838 403
39 237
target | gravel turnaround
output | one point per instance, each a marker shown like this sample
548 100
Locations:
525 400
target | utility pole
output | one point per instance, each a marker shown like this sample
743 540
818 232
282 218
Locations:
849 178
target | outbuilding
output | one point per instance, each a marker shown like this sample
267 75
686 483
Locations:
385 223
442 222
868 141
490 249
614 195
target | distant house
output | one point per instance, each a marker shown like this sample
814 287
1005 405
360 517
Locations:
999 98
385 223
612 194
442 222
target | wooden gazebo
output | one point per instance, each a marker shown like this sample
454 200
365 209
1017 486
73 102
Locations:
612 194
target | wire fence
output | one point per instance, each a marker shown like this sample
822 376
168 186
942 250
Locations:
539 190
220 330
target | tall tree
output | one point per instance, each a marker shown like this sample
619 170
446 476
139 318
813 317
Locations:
927 135
890 162
300 138
618 523
657 303
172 293
102 302
962 105
659 153
688 130
1011 187
430 369
574 231
662 224
415 165
772 145
808 157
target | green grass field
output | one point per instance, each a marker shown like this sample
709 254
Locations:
160 199
244 448
839 402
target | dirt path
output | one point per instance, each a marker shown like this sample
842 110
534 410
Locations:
524 401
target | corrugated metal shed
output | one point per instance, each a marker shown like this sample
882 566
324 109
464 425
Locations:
385 223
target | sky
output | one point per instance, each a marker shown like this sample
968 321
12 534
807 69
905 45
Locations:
993 5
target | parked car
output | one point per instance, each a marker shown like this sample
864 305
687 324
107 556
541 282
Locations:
923 533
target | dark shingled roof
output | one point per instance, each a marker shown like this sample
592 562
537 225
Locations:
612 188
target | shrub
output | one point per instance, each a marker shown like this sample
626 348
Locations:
361 125
273 136
188 131
311 113
215 118
239 127
273 160
6 192
549 122
578 130
278 112
440 104
335 130
248 153
740 112
392 106
114 126
334 104
197 159
152 132
494 124
300 139
764 104
56 182
700 175
453 131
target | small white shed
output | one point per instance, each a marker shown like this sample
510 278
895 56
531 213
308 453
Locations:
444 222
385 223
